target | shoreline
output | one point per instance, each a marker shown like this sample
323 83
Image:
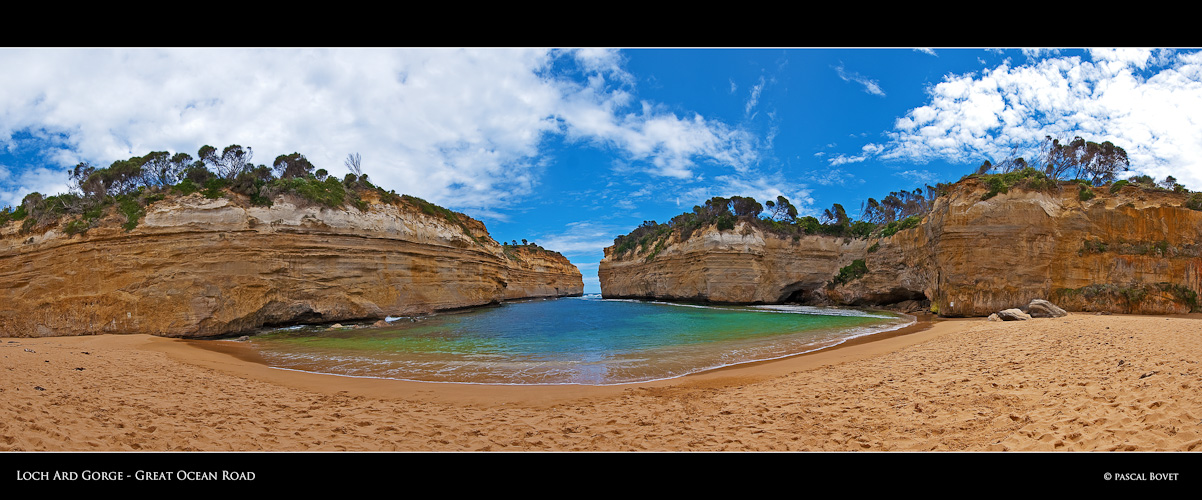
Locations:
858 347
1083 382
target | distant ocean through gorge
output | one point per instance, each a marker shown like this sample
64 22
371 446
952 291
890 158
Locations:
577 340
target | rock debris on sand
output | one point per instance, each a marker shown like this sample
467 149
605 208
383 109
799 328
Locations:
1081 382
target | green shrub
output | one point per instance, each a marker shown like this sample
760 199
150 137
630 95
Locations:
860 229
388 197
726 222
996 185
875 246
1092 246
892 228
1085 194
186 187
430 208
329 193
1114 188
809 224
8 214
1028 178
77 226
1183 295
658 247
850 273
1194 202
214 188
131 209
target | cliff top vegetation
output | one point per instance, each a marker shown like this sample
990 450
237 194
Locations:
127 187
1078 164
514 250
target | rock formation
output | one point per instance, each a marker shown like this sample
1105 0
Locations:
1133 251
199 267
1039 308
1011 315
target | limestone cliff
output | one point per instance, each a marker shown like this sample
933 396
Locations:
1133 251
197 267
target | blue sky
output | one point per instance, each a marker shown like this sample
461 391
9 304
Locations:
569 148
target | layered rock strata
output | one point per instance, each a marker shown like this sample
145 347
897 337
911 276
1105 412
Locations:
197 267
1134 251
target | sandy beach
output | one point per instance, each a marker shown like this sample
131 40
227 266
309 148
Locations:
1082 382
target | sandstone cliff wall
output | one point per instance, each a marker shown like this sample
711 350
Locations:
196 267
742 265
1135 251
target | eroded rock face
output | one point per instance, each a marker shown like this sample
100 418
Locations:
1134 251
742 265
196 267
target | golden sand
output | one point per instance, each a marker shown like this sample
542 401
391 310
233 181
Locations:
1083 382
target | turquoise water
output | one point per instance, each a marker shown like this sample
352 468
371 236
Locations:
578 340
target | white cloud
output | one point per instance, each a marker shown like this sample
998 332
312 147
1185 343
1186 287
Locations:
459 127
582 237
919 176
762 188
870 86
15 185
867 151
832 177
1147 102
754 98
1038 52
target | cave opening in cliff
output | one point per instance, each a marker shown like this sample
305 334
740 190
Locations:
798 293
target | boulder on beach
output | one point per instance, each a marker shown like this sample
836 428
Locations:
1013 315
1040 308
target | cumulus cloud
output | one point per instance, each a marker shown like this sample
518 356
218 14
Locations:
1142 100
459 127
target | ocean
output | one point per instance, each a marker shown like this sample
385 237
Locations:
576 340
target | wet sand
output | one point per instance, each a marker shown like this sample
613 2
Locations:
1083 382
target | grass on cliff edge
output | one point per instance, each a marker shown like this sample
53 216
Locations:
723 213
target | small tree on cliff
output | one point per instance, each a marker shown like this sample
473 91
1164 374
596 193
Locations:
354 163
781 209
745 207
835 215
1102 162
1097 163
291 166
234 160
